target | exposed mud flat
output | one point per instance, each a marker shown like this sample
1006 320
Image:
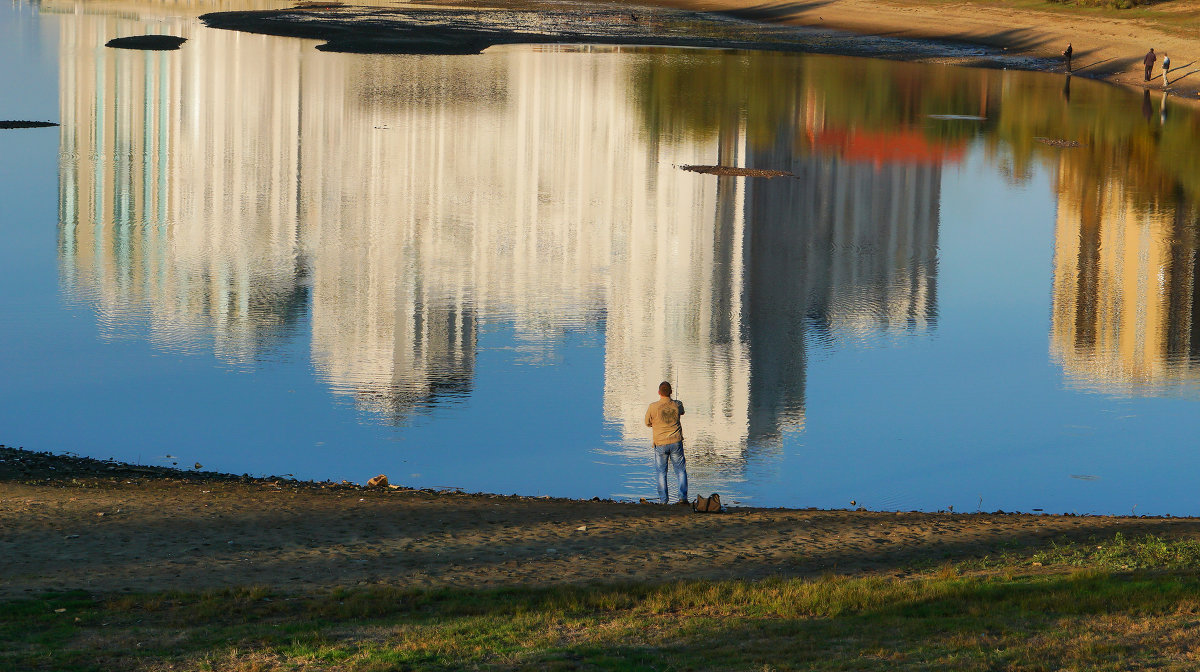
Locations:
431 28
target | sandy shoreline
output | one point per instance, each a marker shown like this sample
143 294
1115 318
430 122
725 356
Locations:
76 523
1108 45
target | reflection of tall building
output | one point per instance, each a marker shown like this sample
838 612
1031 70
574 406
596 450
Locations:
675 305
1125 303
846 249
443 203
158 216
871 210
407 202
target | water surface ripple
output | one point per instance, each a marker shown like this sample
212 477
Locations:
970 288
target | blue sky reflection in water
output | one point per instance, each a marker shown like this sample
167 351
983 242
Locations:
473 271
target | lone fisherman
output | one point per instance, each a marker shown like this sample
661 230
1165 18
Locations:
663 417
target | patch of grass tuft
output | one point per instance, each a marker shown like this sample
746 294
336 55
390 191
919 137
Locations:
1106 4
1120 553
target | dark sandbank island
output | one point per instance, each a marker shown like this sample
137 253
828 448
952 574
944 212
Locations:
147 42
26 124
435 29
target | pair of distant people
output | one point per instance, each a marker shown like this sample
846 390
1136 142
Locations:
1149 60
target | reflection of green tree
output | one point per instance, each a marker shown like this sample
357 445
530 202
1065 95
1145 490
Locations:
690 94
696 93
883 96
1116 140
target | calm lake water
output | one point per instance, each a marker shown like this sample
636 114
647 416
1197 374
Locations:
979 290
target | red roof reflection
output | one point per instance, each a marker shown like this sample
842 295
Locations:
889 147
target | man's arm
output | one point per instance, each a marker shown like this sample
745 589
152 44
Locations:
649 420
680 407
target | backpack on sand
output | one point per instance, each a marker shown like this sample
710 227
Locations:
710 504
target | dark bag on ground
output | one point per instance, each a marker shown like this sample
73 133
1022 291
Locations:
710 504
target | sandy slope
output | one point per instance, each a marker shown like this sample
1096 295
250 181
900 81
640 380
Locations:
1108 45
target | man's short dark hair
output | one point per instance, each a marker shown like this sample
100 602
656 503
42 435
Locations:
664 389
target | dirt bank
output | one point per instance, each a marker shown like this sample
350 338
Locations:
1108 44
69 523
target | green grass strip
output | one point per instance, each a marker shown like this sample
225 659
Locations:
1133 605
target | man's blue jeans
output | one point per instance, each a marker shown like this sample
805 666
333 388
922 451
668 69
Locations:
672 452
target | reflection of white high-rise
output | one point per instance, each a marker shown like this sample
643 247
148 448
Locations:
169 208
720 307
471 187
407 201
675 306
1125 300
847 249
532 200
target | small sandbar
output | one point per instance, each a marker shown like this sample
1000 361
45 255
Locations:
27 124
1057 142
738 172
147 42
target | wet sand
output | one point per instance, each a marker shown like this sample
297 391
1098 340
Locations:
108 528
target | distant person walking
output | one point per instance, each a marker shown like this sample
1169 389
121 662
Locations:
663 417
1067 55
1149 62
1166 67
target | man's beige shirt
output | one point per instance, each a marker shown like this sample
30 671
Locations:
663 417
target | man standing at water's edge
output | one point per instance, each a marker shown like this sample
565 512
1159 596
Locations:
663 417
